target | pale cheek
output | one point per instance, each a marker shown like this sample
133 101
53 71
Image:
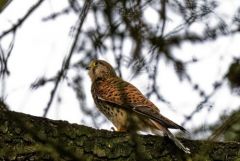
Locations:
90 73
99 72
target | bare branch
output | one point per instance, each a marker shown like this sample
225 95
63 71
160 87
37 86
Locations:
66 63
21 21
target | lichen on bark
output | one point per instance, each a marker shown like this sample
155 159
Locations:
25 137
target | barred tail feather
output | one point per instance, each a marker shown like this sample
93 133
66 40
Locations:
177 142
159 128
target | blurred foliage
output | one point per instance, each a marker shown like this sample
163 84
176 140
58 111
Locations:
233 133
4 4
3 106
228 127
117 22
233 76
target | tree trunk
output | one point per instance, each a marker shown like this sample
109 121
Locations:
25 137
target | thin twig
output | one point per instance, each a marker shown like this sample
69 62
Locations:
20 21
4 57
226 125
163 16
66 63
201 104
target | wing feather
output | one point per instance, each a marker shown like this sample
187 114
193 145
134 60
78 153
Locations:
122 93
125 95
158 117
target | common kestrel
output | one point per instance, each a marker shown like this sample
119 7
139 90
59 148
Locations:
125 106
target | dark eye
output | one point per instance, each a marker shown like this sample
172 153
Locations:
95 63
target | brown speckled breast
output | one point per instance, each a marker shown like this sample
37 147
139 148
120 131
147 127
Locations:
115 98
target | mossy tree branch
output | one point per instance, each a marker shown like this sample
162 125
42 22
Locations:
25 137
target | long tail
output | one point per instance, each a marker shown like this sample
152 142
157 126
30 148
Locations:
177 142
170 135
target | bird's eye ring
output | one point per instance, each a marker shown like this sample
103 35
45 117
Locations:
95 64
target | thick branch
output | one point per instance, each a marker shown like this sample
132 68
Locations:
25 137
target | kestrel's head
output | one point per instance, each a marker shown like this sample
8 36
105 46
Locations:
100 69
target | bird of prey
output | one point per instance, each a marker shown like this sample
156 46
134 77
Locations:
125 106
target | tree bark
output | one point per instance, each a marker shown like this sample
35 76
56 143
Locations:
25 137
